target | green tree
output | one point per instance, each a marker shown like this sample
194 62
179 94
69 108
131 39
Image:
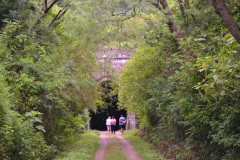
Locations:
190 94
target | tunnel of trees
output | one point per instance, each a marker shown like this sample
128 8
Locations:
182 82
98 118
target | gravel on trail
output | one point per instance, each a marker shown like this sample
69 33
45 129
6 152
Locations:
106 140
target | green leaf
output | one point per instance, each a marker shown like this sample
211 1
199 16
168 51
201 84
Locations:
40 127
215 77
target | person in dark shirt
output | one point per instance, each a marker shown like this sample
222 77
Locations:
113 125
122 121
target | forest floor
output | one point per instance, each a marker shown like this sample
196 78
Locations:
110 144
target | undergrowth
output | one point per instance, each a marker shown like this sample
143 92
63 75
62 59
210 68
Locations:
144 148
83 149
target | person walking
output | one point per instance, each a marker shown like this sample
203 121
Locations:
122 121
108 124
113 125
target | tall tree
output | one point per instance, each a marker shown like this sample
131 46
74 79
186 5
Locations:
227 18
172 25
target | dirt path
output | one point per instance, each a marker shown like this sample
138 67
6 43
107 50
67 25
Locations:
106 140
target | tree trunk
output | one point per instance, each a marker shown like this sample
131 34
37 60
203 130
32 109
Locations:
227 18
156 4
46 9
46 4
182 8
187 5
51 5
186 2
59 15
172 26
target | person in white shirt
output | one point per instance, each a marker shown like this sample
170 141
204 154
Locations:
108 124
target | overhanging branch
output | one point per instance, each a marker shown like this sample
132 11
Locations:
60 14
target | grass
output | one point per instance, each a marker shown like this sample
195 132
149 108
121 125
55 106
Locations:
114 152
88 144
144 149
83 149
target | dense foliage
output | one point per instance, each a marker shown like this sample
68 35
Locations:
187 95
182 81
47 69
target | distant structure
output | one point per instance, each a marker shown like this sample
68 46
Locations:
116 59
132 121
113 60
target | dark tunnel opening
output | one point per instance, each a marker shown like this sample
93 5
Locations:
98 119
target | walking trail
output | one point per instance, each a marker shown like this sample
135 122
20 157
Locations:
106 139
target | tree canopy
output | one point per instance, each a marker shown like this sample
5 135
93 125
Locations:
182 80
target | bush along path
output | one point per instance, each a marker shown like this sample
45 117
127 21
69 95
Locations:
83 149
